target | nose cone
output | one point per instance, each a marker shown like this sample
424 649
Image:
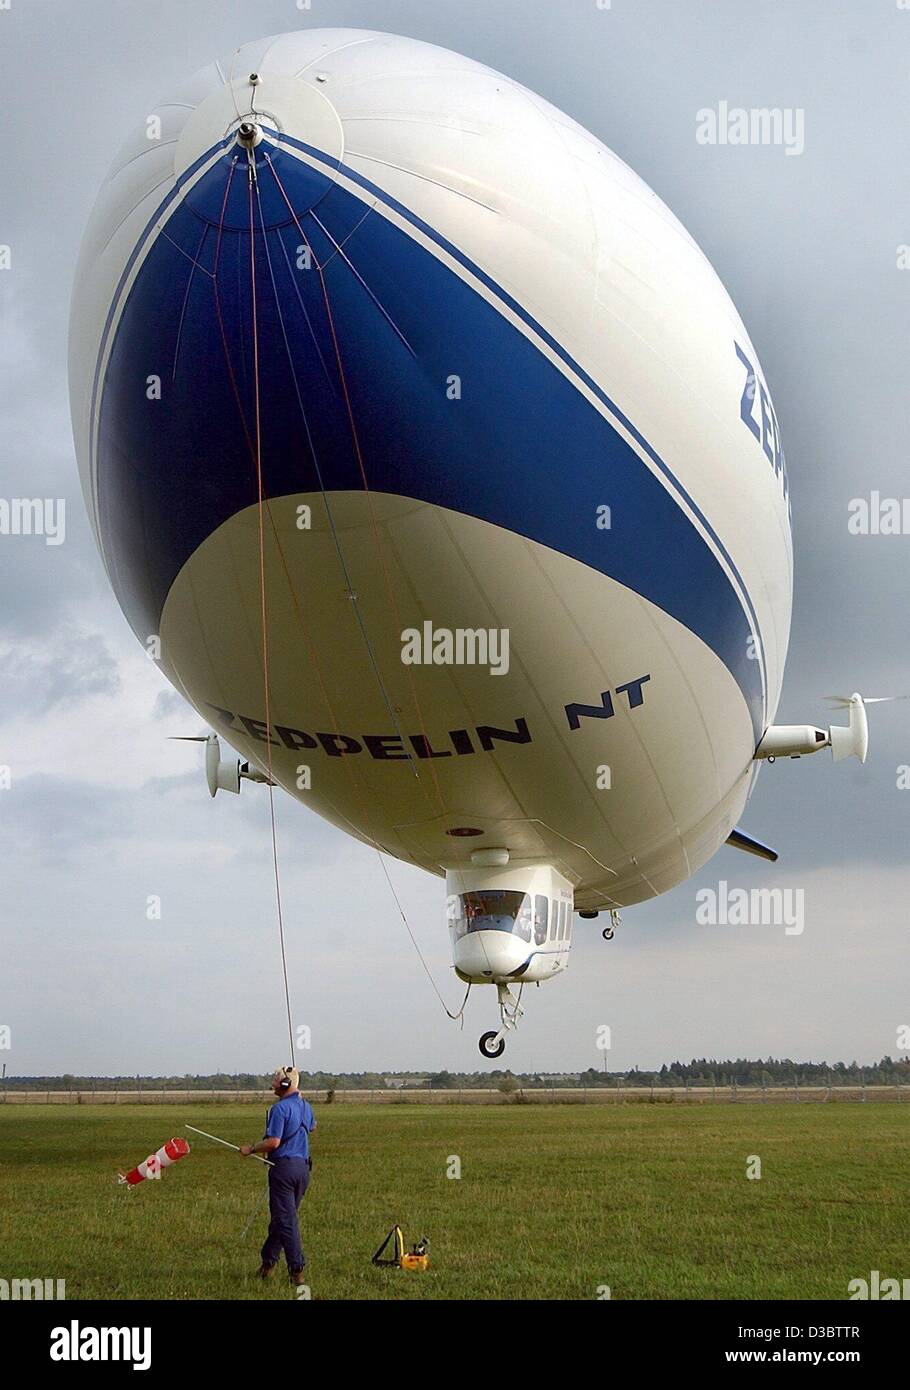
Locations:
488 956
282 109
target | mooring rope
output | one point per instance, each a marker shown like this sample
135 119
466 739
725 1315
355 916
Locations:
264 606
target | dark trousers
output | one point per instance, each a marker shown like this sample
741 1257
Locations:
288 1181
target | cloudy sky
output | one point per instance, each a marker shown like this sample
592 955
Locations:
103 811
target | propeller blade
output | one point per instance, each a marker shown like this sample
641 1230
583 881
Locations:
843 701
189 738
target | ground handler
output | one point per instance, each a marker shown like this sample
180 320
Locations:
286 1145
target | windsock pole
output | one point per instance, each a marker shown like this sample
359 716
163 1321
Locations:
227 1145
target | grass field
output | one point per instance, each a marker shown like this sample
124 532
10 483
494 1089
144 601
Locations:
553 1201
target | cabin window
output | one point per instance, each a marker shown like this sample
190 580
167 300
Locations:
541 919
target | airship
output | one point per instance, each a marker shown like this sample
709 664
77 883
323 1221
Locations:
427 453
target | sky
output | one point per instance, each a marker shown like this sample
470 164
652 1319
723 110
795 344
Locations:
101 811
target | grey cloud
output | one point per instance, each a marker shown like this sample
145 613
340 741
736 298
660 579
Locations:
63 670
168 703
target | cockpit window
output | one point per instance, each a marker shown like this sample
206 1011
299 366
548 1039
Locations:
501 909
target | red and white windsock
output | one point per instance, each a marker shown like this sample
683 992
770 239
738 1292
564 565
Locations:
152 1166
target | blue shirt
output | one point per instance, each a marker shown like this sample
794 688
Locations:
290 1120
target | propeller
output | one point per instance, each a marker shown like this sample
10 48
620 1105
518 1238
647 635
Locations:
850 741
844 701
219 774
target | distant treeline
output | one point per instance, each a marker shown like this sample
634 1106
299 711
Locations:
699 1072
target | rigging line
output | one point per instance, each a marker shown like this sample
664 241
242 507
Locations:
321 57
337 543
404 743
313 452
356 830
263 604
350 264
371 836
293 595
377 537
259 1201
312 446
377 540
194 263
224 342
229 83
350 154
257 460
367 209
420 956
535 820
168 178
154 146
460 1014
375 530
293 279
186 297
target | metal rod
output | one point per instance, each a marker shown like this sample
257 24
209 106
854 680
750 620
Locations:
227 1145
253 1214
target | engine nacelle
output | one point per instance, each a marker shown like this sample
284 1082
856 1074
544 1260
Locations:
797 740
792 741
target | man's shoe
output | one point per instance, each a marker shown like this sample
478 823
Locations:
297 1277
265 1270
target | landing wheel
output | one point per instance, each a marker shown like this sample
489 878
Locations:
607 933
492 1045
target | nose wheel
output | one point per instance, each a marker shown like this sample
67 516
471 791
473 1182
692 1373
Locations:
492 1045
510 1011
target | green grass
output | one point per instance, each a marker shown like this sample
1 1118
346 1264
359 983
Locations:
553 1201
